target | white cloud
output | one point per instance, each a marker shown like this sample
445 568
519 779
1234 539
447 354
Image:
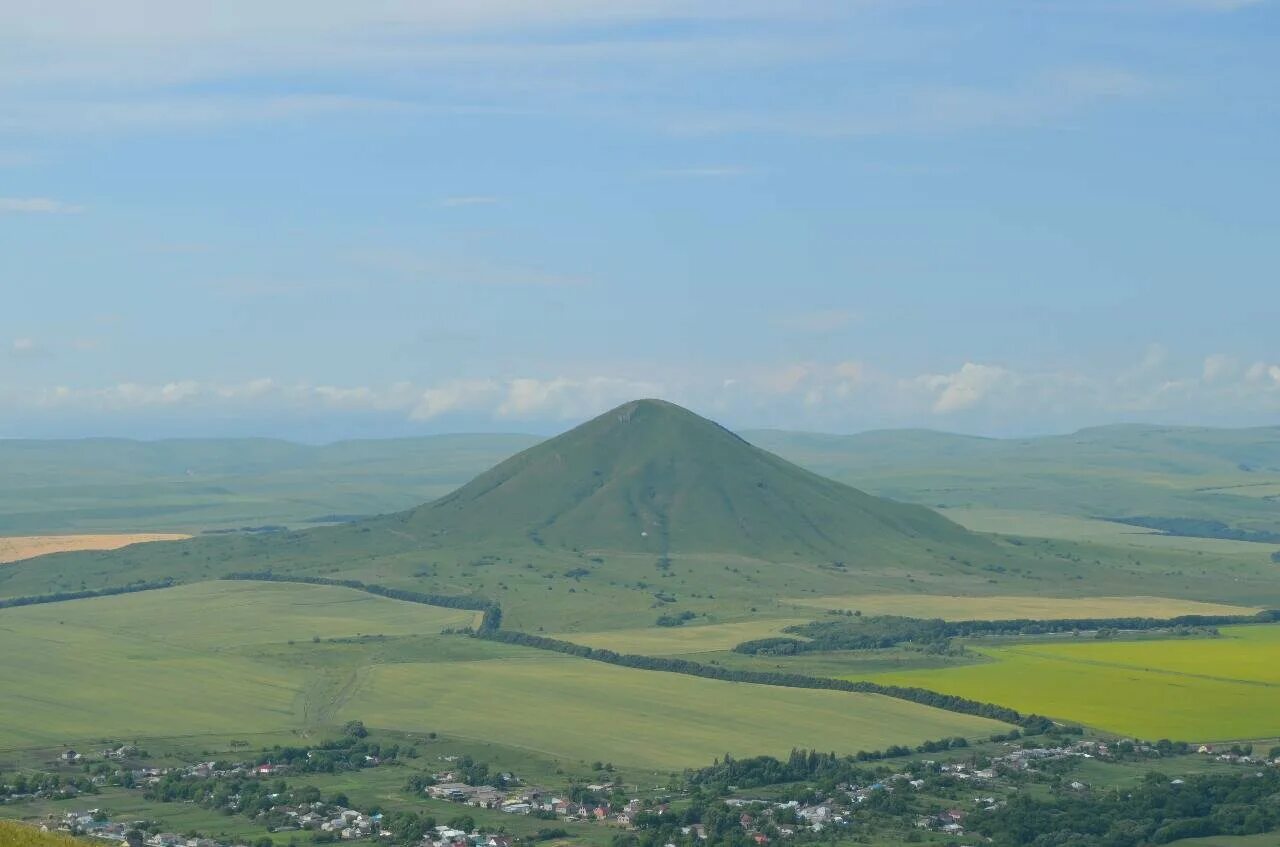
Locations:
966 387
841 396
27 348
562 398
37 205
456 396
1218 367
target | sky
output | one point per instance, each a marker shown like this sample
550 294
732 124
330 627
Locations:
322 220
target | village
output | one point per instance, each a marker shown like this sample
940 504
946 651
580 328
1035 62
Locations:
761 819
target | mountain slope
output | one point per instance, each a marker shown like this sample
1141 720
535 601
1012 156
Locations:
650 476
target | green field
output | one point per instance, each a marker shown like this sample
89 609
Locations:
180 660
251 657
582 711
1188 689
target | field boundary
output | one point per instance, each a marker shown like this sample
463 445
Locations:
471 602
64 596
921 696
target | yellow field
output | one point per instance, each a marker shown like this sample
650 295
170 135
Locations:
1012 607
1188 689
15 548
677 640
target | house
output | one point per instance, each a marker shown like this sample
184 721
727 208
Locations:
70 756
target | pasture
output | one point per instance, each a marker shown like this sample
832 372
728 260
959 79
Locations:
1200 689
1014 607
15 548
579 710
175 661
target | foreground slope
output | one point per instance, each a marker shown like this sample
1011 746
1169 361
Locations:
652 477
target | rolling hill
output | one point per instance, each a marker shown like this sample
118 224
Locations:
652 477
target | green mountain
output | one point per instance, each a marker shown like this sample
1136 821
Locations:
652 477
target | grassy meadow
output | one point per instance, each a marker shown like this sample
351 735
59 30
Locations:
580 710
1193 689
180 660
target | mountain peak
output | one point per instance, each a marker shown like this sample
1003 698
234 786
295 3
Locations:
651 476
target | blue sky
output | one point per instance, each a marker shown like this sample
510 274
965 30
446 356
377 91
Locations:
322 219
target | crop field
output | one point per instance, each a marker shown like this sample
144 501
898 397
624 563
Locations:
175 661
15 548
1189 689
583 710
1012 607
679 640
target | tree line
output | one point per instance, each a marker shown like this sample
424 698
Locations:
1157 811
923 696
872 632
449 601
61 596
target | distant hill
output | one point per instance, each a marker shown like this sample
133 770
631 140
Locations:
101 484
93 485
650 508
650 476
1128 470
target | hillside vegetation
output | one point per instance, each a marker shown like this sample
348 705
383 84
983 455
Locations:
13 834
652 477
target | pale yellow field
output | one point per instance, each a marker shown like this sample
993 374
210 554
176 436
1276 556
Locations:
15 548
1071 528
676 640
1012 607
1205 689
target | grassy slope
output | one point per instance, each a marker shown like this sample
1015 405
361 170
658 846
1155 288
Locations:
652 477
23 835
